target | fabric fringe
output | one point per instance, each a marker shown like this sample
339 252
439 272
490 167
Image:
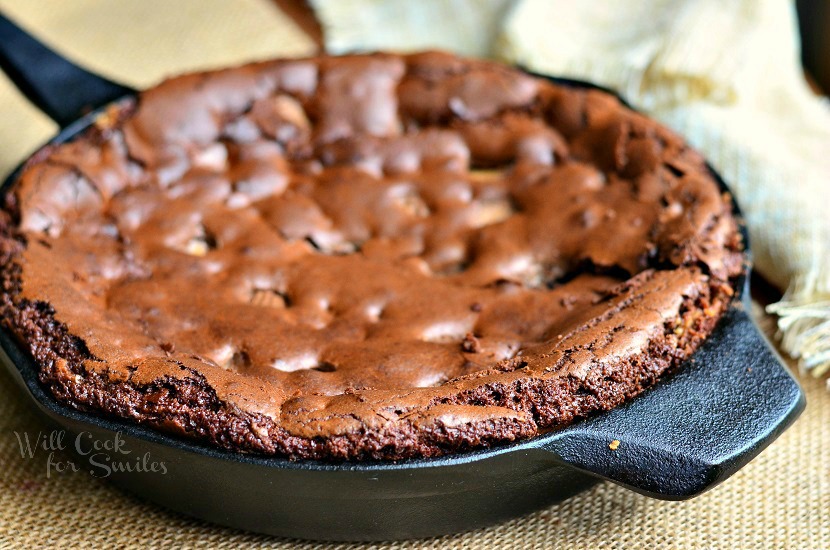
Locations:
804 319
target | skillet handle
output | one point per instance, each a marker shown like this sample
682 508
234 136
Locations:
62 90
695 429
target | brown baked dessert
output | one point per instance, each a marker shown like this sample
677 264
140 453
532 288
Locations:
374 256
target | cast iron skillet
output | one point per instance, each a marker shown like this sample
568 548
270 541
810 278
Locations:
693 430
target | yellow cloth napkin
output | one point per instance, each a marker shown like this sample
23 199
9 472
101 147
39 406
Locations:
723 74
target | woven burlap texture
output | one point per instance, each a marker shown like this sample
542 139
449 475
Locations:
782 499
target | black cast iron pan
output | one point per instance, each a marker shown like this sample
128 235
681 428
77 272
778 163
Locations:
693 430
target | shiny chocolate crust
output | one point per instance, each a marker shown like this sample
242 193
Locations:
364 257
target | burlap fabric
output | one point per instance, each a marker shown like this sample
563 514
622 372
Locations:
780 500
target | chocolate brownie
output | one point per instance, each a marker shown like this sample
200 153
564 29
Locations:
364 257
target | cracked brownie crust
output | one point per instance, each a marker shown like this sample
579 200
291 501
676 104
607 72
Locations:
364 257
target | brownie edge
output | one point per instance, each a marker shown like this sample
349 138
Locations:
364 257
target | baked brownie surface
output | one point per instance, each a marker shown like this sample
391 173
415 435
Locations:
372 256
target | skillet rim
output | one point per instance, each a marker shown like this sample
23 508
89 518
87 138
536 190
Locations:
26 369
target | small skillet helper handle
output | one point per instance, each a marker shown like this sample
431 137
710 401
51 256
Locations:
686 435
60 89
